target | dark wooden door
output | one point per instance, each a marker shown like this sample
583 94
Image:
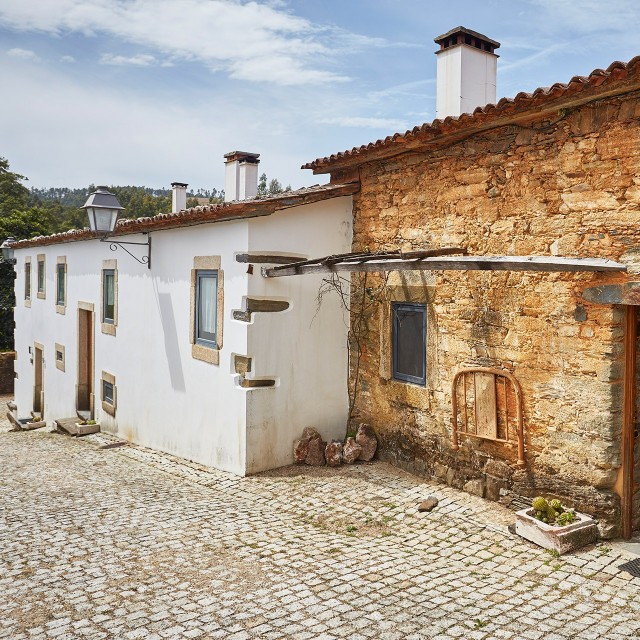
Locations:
85 359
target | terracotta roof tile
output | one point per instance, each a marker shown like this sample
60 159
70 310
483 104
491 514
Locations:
204 214
618 75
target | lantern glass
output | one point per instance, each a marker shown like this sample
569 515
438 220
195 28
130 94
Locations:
7 251
102 220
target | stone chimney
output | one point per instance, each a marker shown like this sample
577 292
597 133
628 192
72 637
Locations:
466 76
240 176
179 196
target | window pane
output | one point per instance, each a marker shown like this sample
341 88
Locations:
107 392
40 276
109 295
409 348
27 280
207 306
60 294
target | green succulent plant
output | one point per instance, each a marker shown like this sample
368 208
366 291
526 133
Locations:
539 504
556 504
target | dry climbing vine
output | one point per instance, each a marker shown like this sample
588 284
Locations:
360 298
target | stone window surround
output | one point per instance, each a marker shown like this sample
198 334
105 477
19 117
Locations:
60 363
107 406
41 260
415 288
61 308
108 327
27 281
199 351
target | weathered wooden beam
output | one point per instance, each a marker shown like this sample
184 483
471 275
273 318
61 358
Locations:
456 263
260 258
628 419
621 293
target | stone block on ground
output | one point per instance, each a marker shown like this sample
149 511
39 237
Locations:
475 486
351 451
333 453
366 438
429 504
315 456
300 451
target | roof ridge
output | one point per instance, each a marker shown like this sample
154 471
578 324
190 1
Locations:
615 71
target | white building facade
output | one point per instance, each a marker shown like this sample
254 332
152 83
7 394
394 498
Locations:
228 380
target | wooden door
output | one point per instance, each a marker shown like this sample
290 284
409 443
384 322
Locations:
85 360
38 390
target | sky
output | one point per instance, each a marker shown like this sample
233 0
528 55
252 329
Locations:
148 92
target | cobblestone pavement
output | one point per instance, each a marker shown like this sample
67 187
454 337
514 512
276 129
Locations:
129 543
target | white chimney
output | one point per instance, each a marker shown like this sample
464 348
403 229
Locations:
240 175
179 196
466 76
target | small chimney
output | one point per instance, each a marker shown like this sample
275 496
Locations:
179 196
240 176
466 76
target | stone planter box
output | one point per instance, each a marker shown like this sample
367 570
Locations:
86 429
28 425
561 539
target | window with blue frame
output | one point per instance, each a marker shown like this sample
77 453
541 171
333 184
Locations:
109 296
409 342
206 315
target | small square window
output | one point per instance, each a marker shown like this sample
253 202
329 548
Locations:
410 342
61 294
107 392
206 308
109 296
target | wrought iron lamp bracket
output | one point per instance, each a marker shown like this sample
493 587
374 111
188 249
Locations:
114 244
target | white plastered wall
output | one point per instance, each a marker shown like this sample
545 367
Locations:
303 348
166 399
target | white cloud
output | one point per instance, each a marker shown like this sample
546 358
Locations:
67 59
588 16
251 40
23 54
366 122
140 60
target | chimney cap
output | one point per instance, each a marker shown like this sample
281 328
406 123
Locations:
242 156
462 35
180 184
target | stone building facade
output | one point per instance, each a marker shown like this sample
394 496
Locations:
553 173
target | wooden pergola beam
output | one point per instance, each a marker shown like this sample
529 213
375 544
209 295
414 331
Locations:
448 263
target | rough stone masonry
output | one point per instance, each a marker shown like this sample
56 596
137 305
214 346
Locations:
567 184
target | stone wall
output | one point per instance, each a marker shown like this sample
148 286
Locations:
569 186
6 372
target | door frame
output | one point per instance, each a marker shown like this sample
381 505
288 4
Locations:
86 350
38 367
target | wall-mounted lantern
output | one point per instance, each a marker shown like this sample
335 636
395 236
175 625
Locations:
7 250
103 208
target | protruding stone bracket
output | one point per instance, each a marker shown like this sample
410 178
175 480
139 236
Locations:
256 305
242 365
490 407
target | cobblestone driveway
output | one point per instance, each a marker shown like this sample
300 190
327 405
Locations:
129 543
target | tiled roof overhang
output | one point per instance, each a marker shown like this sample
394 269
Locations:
205 214
619 78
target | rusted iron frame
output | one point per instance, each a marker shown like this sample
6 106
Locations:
628 418
519 410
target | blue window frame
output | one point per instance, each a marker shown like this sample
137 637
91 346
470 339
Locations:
61 294
109 296
410 342
206 312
